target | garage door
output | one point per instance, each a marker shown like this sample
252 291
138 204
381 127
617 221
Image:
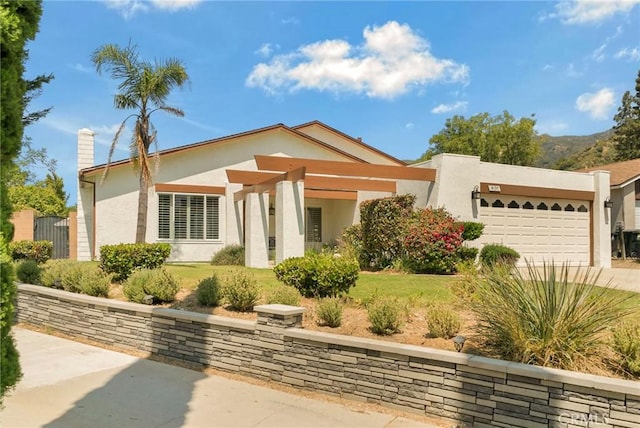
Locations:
539 229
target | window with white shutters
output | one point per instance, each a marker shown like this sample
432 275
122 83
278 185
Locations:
164 216
314 225
188 216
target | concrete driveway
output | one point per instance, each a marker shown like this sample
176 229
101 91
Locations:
69 384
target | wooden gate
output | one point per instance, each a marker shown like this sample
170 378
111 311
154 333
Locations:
56 230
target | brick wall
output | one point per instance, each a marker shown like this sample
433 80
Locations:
469 389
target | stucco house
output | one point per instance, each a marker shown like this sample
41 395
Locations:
625 192
282 189
625 199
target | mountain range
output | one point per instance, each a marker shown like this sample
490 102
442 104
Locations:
571 152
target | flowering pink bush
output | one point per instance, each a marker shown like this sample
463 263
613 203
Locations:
432 241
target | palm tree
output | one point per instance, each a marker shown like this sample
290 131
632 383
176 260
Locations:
144 86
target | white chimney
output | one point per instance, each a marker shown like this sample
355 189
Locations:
85 148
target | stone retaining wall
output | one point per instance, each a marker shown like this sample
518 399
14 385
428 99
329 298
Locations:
472 390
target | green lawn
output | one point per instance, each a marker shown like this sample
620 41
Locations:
419 289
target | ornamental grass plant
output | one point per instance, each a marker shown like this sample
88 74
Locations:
545 317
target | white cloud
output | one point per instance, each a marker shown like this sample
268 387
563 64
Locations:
409 125
213 129
391 60
630 54
266 49
128 8
589 11
598 54
103 133
81 68
446 108
596 104
547 67
292 20
173 5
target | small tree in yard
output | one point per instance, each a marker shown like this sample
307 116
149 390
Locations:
144 87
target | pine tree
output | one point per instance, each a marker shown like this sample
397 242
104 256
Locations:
627 127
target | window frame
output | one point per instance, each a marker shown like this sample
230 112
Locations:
207 201
308 232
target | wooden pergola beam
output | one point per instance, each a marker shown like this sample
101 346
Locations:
316 182
349 169
270 183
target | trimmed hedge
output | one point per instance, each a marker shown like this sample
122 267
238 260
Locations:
38 251
122 259
497 254
319 275
231 255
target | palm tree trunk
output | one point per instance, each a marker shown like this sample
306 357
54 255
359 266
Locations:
143 201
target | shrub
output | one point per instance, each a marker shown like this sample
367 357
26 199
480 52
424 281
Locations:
241 292
122 259
53 271
38 251
153 282
472 230
443 322
432 242
350 243
10 372
94 282
466 284
545 318
383 226
284 295
231 255
493 254
208 291
330 312
319 274
626 342
467 254
385 316
29 272
76 277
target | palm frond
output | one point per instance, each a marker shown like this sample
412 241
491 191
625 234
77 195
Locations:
172 110
112 148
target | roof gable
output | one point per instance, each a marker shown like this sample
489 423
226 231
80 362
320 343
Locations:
316 127
229 139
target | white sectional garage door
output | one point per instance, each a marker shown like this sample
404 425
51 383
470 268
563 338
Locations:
539 229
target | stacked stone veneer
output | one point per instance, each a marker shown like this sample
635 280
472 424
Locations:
472 390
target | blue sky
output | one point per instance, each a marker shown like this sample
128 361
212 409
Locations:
389 72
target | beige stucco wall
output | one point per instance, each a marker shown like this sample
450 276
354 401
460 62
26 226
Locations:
458 175
629 204
117 198
23 222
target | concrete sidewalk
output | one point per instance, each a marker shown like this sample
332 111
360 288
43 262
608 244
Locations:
69 384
